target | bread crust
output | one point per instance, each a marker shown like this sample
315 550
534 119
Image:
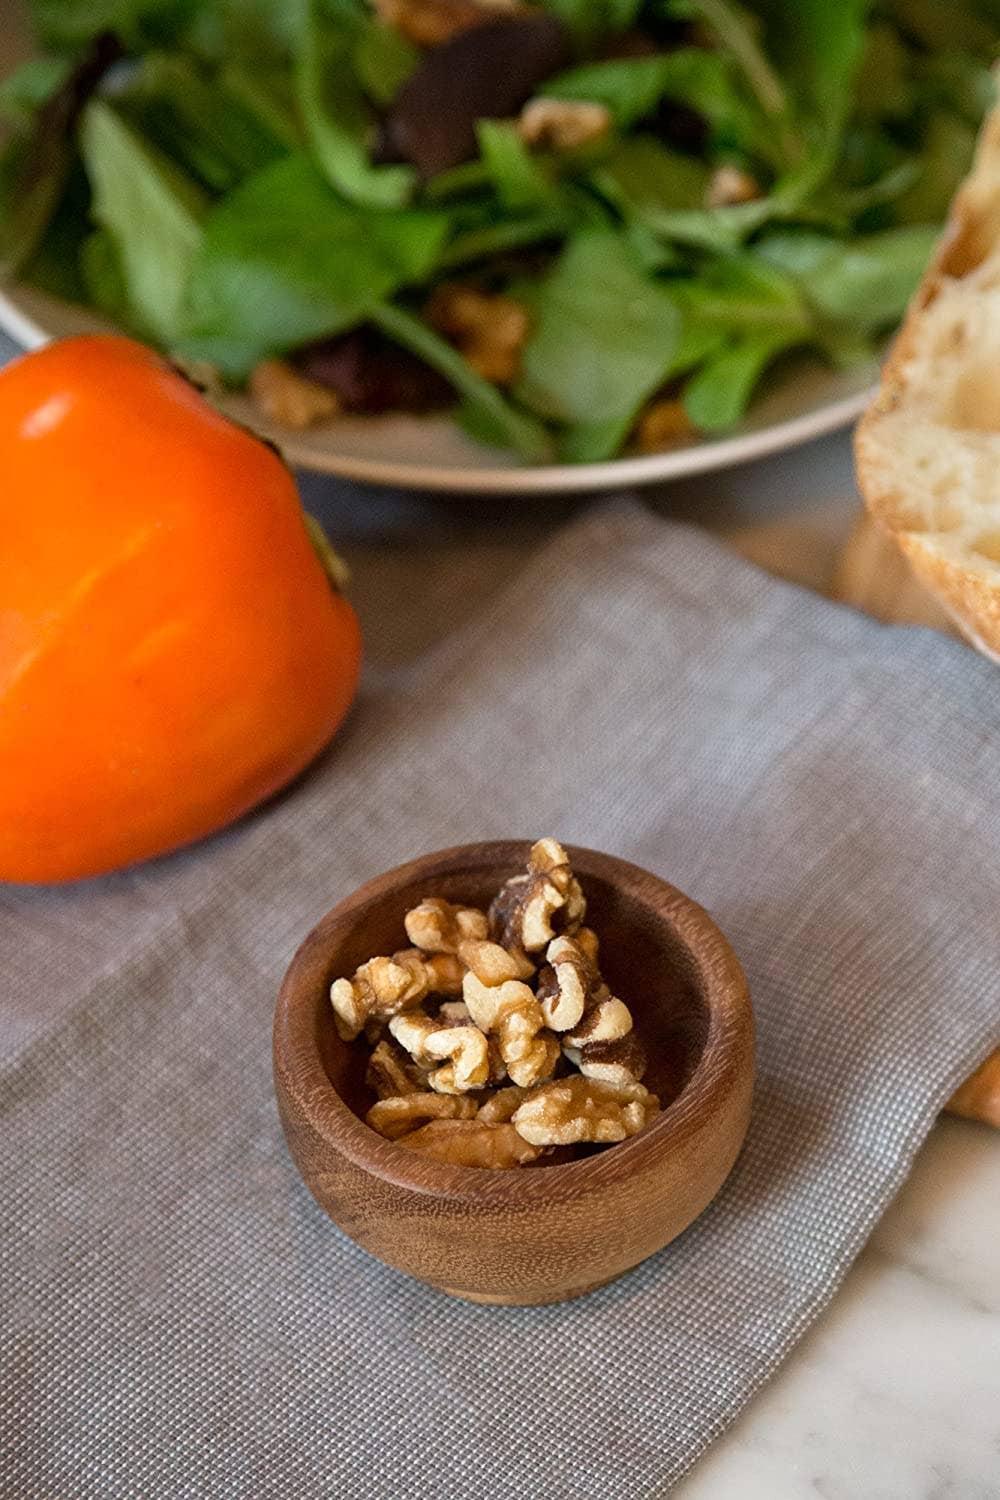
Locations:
979 1097
971 233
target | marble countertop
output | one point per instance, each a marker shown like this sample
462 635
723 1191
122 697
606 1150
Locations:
895 1393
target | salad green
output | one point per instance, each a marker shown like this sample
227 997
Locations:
238 180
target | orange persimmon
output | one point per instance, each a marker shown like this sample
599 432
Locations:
171 649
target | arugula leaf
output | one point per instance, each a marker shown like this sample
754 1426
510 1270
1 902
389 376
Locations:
604 334
493 417
285 261
54 267
944 159
519 178
33 170
383 60
736 32
865 282
265 92
338 123
151 212
644 177
64 25
742 293
592 442
591 19
883 86
717 396
960 83
938 27
504 235
104 277
36 164
818 48
199 122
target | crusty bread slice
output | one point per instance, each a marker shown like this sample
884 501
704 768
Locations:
928 448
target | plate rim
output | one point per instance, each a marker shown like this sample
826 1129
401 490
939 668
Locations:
534 479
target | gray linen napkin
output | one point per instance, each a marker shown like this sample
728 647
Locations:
178 1317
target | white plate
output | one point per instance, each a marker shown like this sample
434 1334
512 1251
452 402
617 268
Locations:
431 453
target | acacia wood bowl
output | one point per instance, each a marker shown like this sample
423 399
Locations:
540 1233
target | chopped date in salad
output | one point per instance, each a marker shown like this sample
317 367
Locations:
583 226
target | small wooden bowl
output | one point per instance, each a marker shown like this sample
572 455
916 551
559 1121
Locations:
541 1233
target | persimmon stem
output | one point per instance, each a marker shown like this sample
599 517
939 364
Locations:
333 564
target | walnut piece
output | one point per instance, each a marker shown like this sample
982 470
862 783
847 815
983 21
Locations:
602 1043
492 964
411 1030
511 1011
384 986
467 1059
663 423
499 1108
567 983
728 185
282 395
429 22
618 1062
398 1116
587 941
391 1073
524 912
464 1048
453 1013
472 1143
438 926
488 328
573 1110
563 124
605 1020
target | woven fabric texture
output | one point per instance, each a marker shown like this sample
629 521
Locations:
178 1317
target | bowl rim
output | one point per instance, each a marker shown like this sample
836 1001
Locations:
720 977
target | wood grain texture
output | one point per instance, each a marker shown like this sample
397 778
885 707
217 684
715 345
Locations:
543 1233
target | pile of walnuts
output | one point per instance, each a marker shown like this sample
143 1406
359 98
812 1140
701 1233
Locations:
494 1037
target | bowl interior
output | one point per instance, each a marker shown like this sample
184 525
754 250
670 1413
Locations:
641 956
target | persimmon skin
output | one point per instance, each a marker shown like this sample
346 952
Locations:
171 650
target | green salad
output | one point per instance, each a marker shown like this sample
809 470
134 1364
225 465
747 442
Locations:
578 224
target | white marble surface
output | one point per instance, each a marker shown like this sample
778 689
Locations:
895 1393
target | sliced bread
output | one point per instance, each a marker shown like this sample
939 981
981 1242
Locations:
928 448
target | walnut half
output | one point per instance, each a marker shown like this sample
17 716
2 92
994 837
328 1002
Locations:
573 1110
472 1143
394 1118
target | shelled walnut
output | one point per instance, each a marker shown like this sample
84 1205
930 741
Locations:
430 22
535 1058
563 124
489 328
